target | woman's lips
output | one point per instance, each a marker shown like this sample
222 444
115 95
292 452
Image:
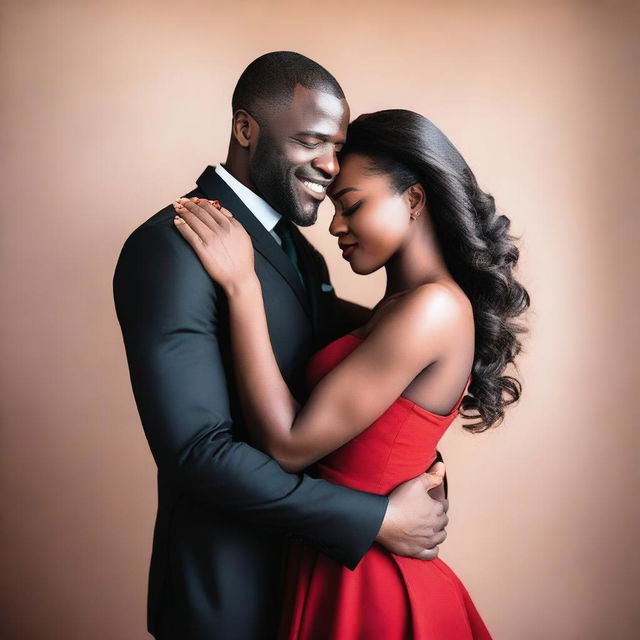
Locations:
348 250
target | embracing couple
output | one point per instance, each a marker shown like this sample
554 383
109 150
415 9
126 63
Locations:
300 492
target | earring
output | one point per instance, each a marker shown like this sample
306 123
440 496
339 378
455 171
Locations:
416 215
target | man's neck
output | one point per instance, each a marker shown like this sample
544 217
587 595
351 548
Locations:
239 170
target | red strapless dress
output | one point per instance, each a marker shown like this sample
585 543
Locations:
386 597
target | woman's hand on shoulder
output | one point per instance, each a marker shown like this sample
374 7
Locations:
218 239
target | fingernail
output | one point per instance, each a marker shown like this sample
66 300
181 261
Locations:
216 204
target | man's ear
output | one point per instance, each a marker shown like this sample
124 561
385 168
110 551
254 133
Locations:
244 128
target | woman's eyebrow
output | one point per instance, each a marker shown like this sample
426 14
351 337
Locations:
336 196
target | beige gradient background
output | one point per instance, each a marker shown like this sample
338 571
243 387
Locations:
112 109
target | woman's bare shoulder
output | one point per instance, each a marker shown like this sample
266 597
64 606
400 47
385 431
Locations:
422 305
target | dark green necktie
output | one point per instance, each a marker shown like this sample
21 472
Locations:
283 229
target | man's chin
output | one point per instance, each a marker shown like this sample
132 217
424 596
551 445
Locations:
305 218
307 222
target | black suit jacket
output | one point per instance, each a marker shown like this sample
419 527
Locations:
224 507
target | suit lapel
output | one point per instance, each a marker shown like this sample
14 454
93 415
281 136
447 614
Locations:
214 187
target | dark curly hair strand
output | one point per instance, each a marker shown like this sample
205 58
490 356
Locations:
474 239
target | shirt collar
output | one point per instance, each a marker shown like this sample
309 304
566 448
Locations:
261 209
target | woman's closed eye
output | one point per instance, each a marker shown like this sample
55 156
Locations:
352 210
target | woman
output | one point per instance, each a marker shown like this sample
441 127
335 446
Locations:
381 397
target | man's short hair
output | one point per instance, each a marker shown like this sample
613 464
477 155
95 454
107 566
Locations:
269 81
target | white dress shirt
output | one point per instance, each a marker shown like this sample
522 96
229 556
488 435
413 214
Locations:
261 209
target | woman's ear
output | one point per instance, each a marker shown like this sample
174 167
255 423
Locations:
244 128
416 199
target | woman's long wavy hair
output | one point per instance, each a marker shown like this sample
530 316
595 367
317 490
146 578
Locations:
474 239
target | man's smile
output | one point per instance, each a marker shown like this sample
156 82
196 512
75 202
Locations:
316 188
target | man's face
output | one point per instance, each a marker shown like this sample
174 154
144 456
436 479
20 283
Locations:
294 160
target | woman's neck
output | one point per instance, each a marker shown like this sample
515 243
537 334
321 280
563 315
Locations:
418 262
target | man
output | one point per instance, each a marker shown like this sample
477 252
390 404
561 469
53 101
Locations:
225 508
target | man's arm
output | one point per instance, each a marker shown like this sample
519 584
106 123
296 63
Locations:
167 307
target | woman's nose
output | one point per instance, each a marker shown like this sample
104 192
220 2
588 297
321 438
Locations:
337 227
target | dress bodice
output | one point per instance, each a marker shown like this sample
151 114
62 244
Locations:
399 445
386 596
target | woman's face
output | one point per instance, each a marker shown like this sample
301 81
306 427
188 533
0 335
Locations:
371 221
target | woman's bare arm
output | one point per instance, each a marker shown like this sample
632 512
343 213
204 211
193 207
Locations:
409 337
353 394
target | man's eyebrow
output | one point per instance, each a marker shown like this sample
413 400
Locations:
314 134
337 196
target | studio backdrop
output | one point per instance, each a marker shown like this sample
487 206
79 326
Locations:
110 110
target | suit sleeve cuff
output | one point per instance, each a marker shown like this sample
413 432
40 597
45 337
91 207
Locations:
356 538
